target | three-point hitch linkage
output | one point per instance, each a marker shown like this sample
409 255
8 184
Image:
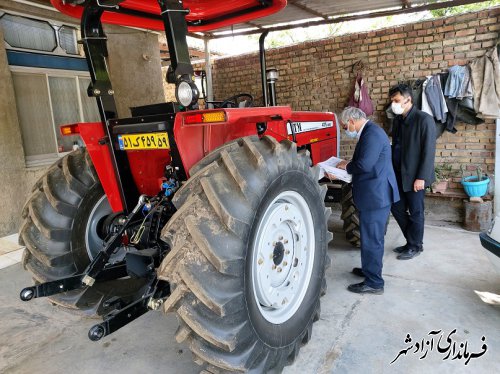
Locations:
136 263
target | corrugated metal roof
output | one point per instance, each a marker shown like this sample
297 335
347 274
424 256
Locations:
313 12
307 12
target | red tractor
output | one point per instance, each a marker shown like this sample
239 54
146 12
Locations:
215 215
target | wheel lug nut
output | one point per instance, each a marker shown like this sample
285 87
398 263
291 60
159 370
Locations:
285 263
261 261
287 252
280 238
279 270
285 241
274 266
286 207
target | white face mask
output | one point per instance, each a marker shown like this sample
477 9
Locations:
397 108
351 134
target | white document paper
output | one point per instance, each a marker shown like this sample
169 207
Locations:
329 166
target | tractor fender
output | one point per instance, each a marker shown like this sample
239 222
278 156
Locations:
93 136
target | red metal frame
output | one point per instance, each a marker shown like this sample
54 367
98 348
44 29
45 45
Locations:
148 167
195 140
91 133
323 142
212 11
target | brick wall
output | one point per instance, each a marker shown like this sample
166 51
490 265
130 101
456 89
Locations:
318 75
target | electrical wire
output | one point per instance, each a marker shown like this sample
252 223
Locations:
135 239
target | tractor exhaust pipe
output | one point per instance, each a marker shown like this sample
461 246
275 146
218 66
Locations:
272 77
262 54
268 76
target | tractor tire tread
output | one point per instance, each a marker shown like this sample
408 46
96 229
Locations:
205 264
47 229
350 216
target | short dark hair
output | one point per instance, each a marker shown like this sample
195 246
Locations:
402 89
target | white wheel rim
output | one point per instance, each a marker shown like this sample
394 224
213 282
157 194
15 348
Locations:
283 257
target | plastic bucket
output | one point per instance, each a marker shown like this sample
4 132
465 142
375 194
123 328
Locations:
475 188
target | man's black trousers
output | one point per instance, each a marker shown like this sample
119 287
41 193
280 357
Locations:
409 214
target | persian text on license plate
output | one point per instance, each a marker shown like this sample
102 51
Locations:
158 140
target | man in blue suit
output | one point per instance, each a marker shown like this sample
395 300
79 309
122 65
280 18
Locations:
374 190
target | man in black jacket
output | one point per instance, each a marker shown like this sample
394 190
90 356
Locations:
413 153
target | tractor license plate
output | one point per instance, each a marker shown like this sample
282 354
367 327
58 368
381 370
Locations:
132 142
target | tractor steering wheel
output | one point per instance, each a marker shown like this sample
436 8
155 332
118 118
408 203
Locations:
236 100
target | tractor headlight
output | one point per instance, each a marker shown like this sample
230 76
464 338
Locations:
186 93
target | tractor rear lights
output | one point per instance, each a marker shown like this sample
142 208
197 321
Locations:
186 92
68 130
219 116
205 117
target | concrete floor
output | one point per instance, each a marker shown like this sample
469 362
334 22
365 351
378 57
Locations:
356 333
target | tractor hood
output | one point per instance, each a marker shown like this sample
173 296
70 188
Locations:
204 15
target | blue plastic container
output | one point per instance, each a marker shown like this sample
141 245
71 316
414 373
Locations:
475 188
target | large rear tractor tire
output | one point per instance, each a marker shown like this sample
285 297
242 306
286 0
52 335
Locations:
60 232
248 256
350 216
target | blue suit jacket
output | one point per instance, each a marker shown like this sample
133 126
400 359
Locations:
374 184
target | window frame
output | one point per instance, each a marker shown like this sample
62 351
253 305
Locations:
49 158
56 25
75 38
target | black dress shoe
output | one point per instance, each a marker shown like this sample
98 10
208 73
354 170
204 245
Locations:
400 249
404 248
409 254
358 272
363 288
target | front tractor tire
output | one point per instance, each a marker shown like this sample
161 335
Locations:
248 256
60 232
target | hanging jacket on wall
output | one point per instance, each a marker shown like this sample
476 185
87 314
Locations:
461 110
458 85
360 97
486 82
433 101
